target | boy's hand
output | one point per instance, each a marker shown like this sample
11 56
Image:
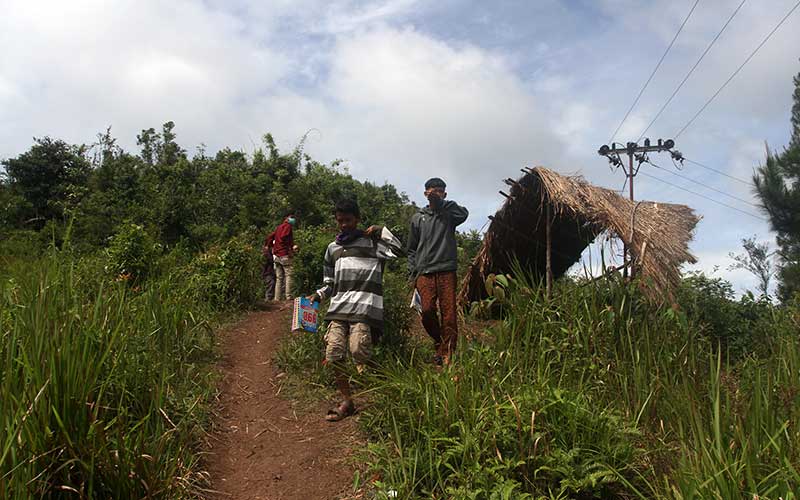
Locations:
313 297
372 231
438 193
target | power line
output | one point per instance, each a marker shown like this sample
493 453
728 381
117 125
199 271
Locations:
738 69
720 172
704 185
703 55
663 56
703 196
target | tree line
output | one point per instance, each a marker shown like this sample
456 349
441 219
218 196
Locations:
181 199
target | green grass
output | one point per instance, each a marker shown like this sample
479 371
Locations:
103 389
593 394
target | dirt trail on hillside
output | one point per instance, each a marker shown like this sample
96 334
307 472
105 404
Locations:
262 447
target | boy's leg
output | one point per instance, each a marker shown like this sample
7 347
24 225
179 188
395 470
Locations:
426 285
361 344
446 291
269 282
335 353
279 276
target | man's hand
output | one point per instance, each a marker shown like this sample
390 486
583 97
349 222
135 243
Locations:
435 196
373 231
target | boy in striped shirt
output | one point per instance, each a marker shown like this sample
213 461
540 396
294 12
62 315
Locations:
353 279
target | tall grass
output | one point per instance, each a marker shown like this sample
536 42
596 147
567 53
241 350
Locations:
594 394
102 388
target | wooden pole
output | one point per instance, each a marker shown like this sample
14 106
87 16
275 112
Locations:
549 269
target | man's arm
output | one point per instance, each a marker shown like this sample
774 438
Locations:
411 248
268 242
457 213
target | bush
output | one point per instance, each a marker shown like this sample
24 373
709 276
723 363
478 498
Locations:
307 263
131 253
22 244
740 327
226 276
394 341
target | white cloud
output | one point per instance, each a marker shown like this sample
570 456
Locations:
84 65
421 107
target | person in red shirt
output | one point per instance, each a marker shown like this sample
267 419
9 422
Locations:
282 242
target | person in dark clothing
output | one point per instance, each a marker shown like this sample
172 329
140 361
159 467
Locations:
283 249
268 269
432 265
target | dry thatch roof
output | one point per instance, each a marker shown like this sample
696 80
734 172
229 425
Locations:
658 234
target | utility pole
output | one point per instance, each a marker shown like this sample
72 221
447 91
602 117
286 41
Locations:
633 150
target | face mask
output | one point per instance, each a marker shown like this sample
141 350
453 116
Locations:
291 220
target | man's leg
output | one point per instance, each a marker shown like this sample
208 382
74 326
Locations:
335 353
287 271
446 291
426 285
279 277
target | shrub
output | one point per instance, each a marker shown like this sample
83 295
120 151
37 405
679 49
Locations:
228 275
22 244
307 263
131 253
740 327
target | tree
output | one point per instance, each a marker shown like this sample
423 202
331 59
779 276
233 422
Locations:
105 149
115 195
777 184
50 177
150 142
170 152
757 259
161 149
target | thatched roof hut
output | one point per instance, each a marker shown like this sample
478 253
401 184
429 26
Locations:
657 234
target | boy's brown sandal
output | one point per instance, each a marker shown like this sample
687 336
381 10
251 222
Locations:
344 409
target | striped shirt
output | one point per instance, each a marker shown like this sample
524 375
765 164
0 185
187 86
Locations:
353 278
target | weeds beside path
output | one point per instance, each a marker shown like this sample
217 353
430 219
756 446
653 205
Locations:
262 447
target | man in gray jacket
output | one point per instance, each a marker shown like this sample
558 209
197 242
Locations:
432 264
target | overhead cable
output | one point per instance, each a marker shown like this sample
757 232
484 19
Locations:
704 185
720 172
652 74
703 196
737 70
696 64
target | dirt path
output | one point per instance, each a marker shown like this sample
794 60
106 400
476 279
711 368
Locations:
263 448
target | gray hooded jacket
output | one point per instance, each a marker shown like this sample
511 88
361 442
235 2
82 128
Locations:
432 239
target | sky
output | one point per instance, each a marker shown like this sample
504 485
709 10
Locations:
402 90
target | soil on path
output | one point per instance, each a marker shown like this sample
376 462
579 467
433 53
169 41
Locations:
263 447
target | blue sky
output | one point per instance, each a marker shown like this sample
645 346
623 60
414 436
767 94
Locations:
405 89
